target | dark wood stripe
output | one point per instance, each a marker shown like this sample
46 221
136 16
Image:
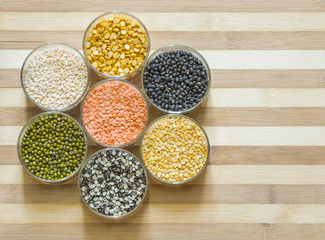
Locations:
268 78
223 78
198 40
9 78
226 155
32 39
164 6
270 155
275 40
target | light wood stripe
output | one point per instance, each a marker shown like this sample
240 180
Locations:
9 134
265 59
266 136
270 97
225 155
190 194
206 116
78 21
13 58
255 78
160 231
216 174
221 59
198 40
231 136
224 78
13 97
172 6
218 97
161 213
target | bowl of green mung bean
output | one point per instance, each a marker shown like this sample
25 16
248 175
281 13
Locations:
51 147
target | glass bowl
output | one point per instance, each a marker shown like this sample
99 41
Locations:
105 16
173 48
187 180
21 135
127 144
30 57
133 210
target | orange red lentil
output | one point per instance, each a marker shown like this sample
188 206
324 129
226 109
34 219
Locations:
114 112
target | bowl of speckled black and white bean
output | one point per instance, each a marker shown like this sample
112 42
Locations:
113 183
55 77
176 79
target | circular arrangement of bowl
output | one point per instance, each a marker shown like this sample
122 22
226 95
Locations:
124 144
105 16
107 216
21 135
29 58
174 48
187 180
125 79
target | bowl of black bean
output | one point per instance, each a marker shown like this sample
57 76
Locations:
113 183
176 79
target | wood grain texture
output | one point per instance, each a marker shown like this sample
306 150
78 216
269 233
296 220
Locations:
218 97
204 231
226 155
167 6
231 136
215 174
265 178
225 78
190 21
202 213
221 116
221 59
192 194
199 40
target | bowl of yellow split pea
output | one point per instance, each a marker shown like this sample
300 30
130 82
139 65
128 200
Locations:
116 45
175 149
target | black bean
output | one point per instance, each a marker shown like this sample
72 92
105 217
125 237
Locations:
174 78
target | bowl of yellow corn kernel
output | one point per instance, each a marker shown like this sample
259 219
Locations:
175 149
116 45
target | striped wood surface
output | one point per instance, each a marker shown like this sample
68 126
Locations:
265 117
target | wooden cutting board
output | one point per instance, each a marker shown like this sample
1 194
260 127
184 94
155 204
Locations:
265 118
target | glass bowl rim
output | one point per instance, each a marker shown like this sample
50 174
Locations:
74 103
91 25
206 159
22 132
145 174
168 48
124 144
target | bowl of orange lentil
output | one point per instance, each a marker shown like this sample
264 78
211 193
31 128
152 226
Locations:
114 113
116 45
175 149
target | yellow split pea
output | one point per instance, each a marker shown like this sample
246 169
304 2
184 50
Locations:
174 148
117 46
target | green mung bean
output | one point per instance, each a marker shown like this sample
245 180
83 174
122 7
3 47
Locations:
53 147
